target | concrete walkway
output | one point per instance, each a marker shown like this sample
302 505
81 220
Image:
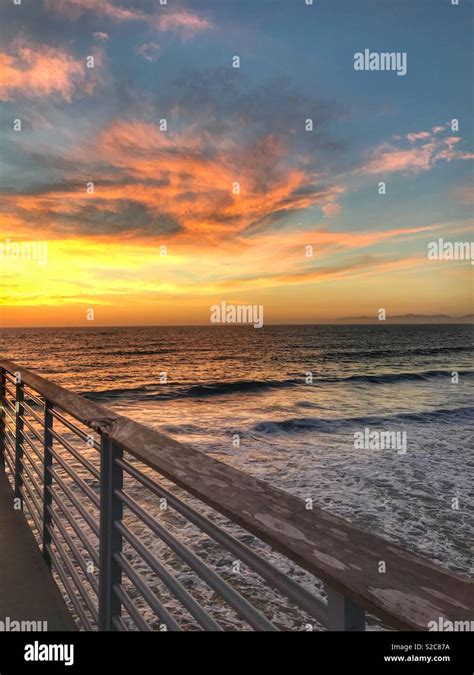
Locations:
27 589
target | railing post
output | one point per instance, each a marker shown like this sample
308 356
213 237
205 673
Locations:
343 614
19 440
47 479
3 393
111 510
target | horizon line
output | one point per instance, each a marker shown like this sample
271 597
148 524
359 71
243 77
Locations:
250 325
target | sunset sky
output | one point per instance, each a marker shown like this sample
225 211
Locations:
236 188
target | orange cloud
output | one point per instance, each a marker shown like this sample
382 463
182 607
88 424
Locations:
182 21
73 9
290 246
39 71
429 149
188 182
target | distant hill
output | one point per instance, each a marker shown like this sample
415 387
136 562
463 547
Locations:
409 318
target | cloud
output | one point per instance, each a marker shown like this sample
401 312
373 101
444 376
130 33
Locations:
39 70
420 135
73 9
357 266
210 188
183 22
88 216
238 164
425 150
149 51
98 35
290 244
187 179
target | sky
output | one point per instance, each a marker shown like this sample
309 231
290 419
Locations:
160 155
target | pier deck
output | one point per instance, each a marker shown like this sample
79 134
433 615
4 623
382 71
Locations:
27 589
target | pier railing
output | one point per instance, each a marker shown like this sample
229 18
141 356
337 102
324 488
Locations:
144 533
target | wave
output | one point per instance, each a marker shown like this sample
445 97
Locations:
349 423
418 351
399 377
136 352
168 391
157 391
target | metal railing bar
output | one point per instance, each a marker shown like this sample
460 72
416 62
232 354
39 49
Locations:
70 591
9 445
83 460
38 401
25 496
75 429
87 517
291 589
33 480
32 445
34 464
73 572
131 609
6 409
150 597
19 417
72 522
35 433
186 599
33 413
77 479
37 501
2 417
111 510
47 478
219 585
10 448
31 511
11 393
10 462
75 551
120 624
9 378
9 430
10 441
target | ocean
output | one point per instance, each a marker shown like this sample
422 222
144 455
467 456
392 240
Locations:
284 403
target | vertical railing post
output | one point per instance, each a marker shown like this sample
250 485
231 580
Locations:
343 614
47 479
3 393
111 511
19 438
